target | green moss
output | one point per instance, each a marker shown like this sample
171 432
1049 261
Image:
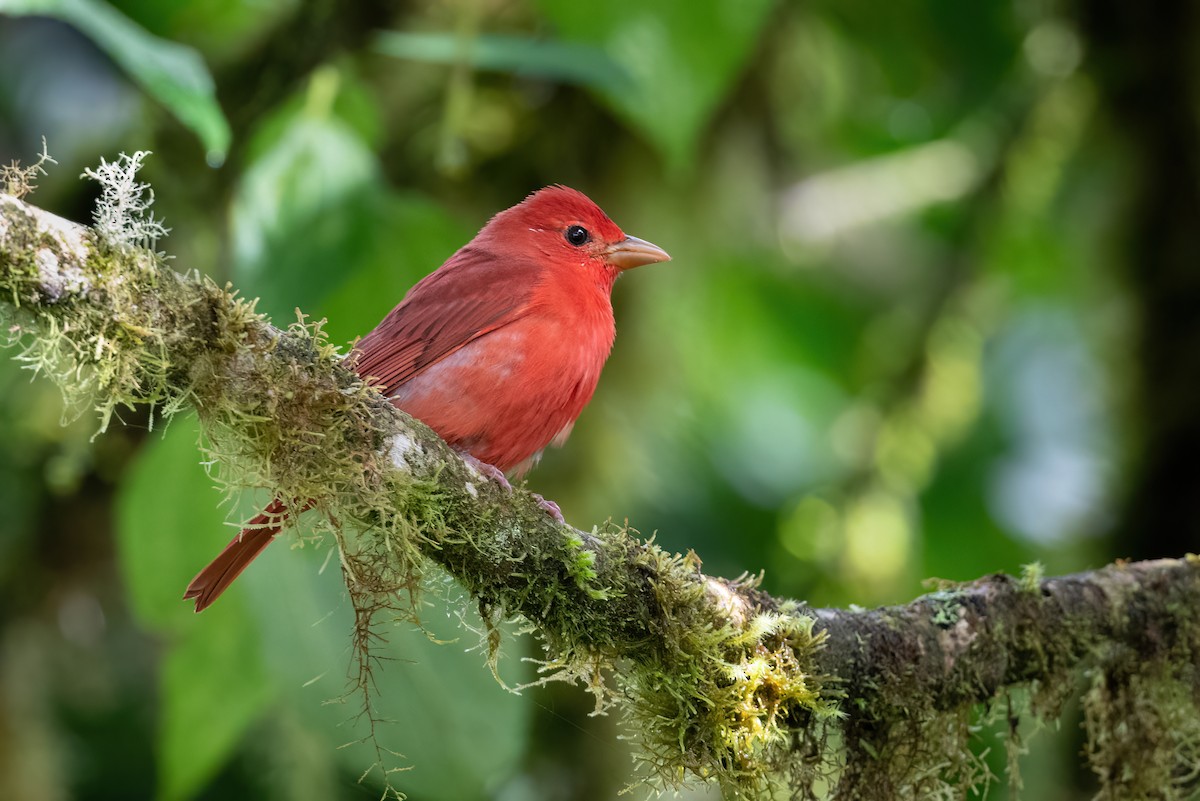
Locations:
582 568
1143 732
947 608
723 697
1031 576
718 692
105 355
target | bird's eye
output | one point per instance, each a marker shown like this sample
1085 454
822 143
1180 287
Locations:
577 235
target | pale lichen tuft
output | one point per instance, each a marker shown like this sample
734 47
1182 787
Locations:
20 181
122 215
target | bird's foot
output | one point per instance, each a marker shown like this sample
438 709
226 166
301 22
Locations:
488 471
551 508
495 474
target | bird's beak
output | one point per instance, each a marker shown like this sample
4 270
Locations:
633 252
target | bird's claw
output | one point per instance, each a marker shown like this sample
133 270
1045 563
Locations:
551 508
488 471
495 474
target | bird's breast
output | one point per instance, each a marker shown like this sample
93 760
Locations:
506 395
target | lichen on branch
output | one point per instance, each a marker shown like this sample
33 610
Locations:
19 181
716 679
123 216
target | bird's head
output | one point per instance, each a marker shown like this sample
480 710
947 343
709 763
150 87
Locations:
569 230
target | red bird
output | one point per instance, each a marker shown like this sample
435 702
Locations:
498 350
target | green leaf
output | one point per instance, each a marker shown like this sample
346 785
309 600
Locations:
169 525
681 55
171 73
305 212
314 226
214 687
460 733
570 62
412 236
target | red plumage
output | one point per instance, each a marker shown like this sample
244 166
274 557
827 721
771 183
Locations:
498 350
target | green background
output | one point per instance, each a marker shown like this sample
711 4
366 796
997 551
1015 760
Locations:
934 311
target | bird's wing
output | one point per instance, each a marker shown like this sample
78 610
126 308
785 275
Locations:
472 294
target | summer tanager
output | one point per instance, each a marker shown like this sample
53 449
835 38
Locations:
498 350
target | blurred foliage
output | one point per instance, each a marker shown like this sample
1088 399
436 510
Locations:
172 74
892 344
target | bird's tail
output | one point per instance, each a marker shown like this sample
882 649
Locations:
210 582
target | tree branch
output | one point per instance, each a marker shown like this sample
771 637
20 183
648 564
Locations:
714 676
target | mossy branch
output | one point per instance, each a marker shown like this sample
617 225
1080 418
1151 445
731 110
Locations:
1131 630
718 679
